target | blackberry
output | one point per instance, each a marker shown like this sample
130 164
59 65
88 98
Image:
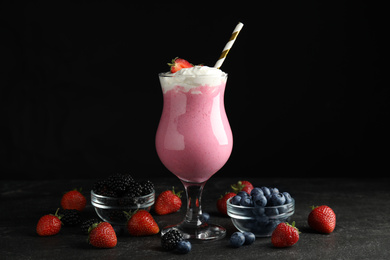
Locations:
110 193
128 199
135 188
147 187
119 182
70 217
87 224
170 239
100 187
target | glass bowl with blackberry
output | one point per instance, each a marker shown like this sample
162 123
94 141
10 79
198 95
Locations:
119 193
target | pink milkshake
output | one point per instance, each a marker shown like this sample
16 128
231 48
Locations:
194 139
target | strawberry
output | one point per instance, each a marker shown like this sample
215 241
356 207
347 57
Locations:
141 223
168 202
49 225
102 235
178 64
285 235
221 202
73 200
242 186
322 219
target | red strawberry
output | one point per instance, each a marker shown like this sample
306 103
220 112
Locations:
141 223
285 235
322 219
168 202
49 225
221 202
178 64
73 200
102 235
242 186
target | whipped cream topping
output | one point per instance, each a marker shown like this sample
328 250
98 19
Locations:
189 78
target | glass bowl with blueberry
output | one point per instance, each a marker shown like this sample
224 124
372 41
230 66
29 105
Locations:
260 211
119 193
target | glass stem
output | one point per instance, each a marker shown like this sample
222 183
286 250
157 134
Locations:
194 198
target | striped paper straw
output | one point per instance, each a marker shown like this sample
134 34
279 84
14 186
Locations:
228 45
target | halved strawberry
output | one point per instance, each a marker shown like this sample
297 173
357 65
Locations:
178 64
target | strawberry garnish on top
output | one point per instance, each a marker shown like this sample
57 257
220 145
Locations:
178 64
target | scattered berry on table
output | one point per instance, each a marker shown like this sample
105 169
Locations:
205 217
141 223
249 238
102 235
171 238
73 200
322 219
49 225
285 235
87 224
70 217
221 202
183 247
237 239
245 186
168 202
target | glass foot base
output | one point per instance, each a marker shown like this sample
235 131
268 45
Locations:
205 232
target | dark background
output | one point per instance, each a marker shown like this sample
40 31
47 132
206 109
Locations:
80 96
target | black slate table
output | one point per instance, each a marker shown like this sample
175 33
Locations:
362 207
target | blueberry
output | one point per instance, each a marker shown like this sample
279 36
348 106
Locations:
236 200
282 209
270 227
266 191
256 191
242 194
258 211
277 199
271 211
274 190
259 200
268 197
249 238
262 220
246 202
183 247
288 197
205 217
237 239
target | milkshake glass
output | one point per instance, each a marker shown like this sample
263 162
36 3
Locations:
194 139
